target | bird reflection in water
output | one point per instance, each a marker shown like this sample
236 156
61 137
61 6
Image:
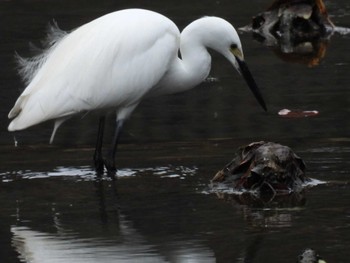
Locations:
111 238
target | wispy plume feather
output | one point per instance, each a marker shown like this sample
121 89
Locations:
28 67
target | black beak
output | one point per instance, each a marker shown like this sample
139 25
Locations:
251 82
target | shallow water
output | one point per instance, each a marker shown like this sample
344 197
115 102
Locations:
52 208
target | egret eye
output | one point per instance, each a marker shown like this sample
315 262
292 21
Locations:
233 46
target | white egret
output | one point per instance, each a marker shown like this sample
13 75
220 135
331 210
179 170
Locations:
114 62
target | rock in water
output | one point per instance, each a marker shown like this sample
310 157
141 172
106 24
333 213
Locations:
266 167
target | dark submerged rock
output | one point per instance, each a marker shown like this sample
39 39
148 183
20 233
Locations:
265 167
298 30
297 19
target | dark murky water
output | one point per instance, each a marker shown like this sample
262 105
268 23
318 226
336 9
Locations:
53 210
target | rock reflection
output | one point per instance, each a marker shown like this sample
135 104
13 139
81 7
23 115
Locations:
266 211
269 210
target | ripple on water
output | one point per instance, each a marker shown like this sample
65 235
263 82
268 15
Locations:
226 189
87 173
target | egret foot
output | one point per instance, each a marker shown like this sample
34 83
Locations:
99 165
109 162
110 166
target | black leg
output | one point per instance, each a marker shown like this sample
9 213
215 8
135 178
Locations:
110 160
98 159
